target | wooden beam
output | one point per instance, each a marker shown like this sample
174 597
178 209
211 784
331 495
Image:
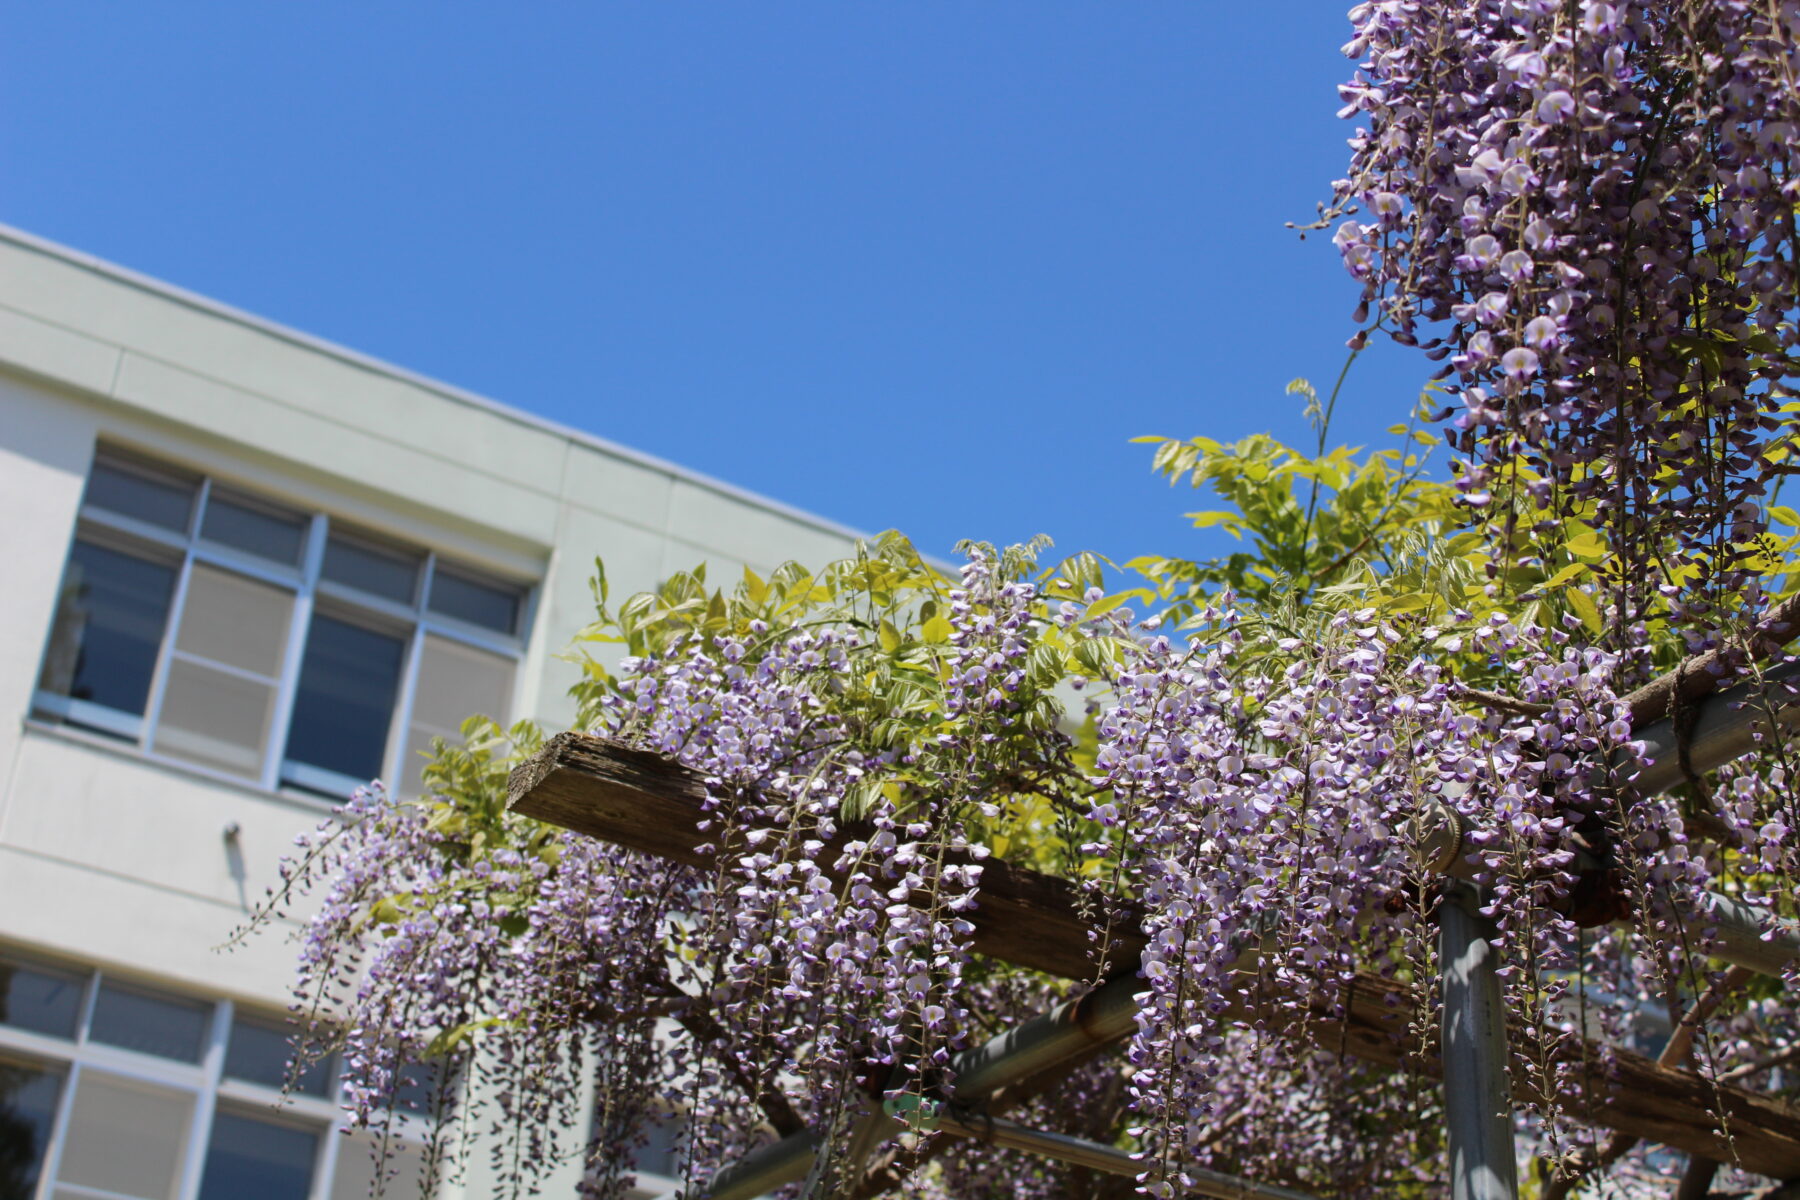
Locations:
645 802
1622 1090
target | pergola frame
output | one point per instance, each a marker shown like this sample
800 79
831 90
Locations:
651 804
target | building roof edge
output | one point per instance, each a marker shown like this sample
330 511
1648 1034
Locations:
168 291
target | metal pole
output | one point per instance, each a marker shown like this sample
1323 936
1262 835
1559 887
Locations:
1477 1101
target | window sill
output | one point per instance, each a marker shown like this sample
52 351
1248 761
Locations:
303 801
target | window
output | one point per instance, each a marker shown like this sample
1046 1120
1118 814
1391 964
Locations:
658 1160
113 1091
216 628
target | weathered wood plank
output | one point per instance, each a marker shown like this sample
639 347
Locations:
647 803
1635 1095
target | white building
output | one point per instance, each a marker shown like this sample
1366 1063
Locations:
246 569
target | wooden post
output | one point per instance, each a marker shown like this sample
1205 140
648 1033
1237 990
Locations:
1477 1100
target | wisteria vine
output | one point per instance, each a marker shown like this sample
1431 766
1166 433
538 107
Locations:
1585 211
1255 792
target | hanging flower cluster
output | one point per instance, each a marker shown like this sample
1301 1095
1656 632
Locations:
1585 210
1296 811
1588 209
1257 795
819 960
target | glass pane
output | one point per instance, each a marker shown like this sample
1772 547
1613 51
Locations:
109 626
354 1179
214 718
254 527
251 1157
150 1023
487 603
133 490
456 682
40 999
661 1152
125 1137
418 1089
372 567
28 1094
235 621
258 1053
348 681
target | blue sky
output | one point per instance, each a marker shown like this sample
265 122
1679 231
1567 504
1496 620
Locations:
928 265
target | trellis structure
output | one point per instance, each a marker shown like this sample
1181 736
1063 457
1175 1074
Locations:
653 805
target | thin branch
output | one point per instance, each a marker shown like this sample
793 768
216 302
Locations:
1504 703
1757 1068
1700 676
781 1115
1679 1052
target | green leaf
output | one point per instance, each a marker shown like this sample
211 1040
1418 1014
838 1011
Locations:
1044 665
936 631
1567 573
448 820
1107 604
755 590
1587 544
449 1040
1584 607
386 911
890 637
1095 655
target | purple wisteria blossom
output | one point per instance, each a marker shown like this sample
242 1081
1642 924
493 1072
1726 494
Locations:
1608 189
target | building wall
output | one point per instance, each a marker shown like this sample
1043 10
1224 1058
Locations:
113 861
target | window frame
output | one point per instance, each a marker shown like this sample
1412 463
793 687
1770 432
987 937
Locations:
204 1082
306 583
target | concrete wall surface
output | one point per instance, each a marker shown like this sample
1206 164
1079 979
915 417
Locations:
117 860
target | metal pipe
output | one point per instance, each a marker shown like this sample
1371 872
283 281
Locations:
1477 1100
1745 936
1750 937
1067 1031
766 1168
1725 725
1096 1156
